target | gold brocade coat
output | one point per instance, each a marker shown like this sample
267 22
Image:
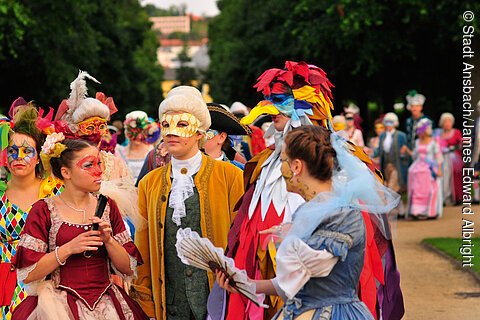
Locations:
219 185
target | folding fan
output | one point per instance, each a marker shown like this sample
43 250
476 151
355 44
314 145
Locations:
201 253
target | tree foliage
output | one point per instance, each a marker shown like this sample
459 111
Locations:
185 74
173 10
246 38
371 50
52 40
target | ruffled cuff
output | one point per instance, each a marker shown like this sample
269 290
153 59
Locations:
126 241
22 273
29 251
133 254
279 290
133 267
334 242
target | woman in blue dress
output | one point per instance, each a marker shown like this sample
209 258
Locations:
321 253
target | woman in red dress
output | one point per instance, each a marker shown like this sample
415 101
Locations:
67 265
451 145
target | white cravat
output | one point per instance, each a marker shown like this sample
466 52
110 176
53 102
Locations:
182 184
271 187
387 143
222 156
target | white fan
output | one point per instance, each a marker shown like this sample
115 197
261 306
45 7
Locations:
201 253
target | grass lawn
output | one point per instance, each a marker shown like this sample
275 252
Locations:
451 246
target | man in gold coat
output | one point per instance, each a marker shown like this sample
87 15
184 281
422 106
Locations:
193 191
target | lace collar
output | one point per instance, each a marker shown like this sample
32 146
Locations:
182 184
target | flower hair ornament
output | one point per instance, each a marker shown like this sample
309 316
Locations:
140 127
52 148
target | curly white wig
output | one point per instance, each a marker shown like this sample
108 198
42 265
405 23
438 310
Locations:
445 116
189 103
392 117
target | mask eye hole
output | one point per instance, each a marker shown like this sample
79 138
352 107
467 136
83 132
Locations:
275 99
182 124
12 150
165 124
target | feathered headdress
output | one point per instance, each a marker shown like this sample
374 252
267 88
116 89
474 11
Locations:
79 107
300 90
297 90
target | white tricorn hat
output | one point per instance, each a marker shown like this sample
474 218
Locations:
187 99
414 98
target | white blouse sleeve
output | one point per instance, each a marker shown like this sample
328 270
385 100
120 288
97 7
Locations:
297 262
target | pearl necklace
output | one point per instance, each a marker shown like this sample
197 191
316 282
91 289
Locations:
75 209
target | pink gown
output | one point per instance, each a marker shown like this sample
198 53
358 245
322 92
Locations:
83 287
423 187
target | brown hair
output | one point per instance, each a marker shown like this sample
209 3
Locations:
24 120
312 145
65 159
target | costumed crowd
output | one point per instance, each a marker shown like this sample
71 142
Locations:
421 162
147 219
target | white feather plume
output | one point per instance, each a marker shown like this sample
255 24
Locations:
79 90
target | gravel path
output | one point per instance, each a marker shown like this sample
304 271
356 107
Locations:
433 287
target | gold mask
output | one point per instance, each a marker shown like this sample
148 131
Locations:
183 125
93 125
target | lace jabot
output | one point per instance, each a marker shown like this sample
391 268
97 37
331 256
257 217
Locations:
182 184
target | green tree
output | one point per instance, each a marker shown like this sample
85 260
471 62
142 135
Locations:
246 38
174 10
14 19
372 50
112 40
185 74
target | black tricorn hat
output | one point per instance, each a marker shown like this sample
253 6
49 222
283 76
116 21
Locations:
225 121
262 119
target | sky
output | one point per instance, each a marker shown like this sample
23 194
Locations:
197 7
